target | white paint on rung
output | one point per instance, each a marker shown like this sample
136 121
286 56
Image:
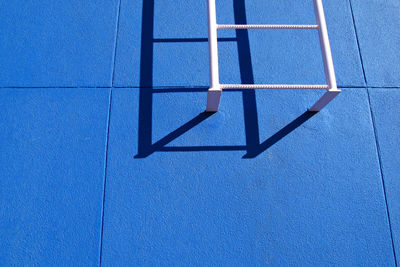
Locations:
274 86
265 26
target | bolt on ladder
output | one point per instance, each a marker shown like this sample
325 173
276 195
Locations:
215 90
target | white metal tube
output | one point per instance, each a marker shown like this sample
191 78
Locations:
265 26
274 86
213 45
325 47
214 93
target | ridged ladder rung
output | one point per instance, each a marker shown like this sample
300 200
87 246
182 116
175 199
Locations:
266 26
274 86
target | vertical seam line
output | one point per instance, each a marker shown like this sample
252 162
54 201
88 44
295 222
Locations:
108 133
105 178
358 43
116 43
383 180
375 135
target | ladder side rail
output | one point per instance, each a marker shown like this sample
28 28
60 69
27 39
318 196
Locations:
214 92
325 45
326 57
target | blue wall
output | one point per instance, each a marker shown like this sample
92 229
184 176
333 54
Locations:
107 157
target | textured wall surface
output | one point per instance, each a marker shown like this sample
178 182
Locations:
107 157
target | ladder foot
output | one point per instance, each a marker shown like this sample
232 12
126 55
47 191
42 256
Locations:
213 99
324 100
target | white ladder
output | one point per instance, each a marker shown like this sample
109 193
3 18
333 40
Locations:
214 93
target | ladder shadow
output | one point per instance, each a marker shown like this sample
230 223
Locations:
253 145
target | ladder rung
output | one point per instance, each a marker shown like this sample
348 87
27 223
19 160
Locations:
274 86
265 26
